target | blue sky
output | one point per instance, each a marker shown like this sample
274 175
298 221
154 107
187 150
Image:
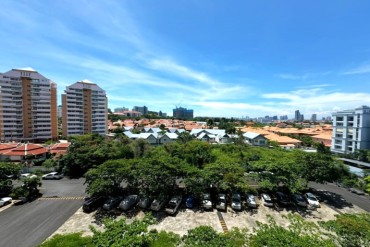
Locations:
220 58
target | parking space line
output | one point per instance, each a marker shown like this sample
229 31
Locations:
222 222
62 198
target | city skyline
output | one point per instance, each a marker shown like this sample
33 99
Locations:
245 59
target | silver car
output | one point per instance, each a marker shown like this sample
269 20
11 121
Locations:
157 204
5 200
251 201
173 205
236 202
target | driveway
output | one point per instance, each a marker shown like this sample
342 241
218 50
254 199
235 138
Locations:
30 224
338 197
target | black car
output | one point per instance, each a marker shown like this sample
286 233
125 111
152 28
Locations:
282 198
93 203
112 203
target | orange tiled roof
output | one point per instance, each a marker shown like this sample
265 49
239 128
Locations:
5 147
282 139
27 149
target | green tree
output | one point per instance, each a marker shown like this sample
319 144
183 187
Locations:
353 229
184 137
119 233
68 240
204 236
367 180
299 233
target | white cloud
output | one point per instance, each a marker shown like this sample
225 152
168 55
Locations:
364 69
293 76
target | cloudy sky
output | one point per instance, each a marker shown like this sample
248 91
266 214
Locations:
220 58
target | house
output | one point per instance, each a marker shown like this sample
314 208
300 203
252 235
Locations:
59 148
255 139
151 138
26 151
6 147
204 136
225 138
167 138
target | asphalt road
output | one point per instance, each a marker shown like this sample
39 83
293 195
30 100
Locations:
30 224
339 197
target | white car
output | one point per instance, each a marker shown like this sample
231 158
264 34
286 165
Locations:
5 200
28 175
206 202
266 200
52 175
312 200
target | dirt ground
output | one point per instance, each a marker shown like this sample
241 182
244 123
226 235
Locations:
187 219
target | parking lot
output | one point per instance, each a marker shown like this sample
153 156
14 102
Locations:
187 219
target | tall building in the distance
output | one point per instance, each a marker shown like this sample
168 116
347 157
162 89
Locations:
314 118
298 116
84 109
28 106
351 130
183 113
142 109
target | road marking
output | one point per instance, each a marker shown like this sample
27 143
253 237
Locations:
62 198
222 222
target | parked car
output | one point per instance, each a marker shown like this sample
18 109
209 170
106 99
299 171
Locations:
221 202
158 204
299 200
5 201
190 201
282 198
206 202
236 202
356 191
251 201
312 200
28 175
144 202
128 202
52 175
93 203
173 205
266 200
112 203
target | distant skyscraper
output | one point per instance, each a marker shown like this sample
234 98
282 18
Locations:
28 106
84 109
297 115
183 113
314 118
142 109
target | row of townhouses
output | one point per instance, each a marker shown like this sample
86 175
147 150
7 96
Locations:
157 136
28 107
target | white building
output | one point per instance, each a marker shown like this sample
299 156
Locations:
351 130
84 109
28 106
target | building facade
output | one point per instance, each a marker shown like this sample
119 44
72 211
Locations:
351 130
84 110
183 113
28 106
142 109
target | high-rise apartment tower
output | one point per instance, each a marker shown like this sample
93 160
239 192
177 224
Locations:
351 130
28 106
84 110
